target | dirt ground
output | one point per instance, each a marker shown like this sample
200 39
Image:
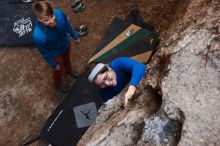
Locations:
27 95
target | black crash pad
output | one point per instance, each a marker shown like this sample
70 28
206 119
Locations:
17 21
141 45
73 116
118 26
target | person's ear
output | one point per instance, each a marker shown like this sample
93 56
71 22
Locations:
39 19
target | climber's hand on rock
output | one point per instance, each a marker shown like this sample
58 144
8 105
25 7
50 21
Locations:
129 94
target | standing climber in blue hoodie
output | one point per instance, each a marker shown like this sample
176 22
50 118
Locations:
112 78
51 37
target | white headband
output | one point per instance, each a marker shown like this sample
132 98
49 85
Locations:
95 70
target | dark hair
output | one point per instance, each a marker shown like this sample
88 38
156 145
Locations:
89 67
42 9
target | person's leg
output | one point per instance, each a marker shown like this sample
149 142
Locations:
57 74
67 60
67 64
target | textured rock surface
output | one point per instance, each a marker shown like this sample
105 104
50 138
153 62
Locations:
164 127
119 126
186 73
193 82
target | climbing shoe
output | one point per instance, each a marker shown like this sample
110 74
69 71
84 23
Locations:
81 30
75 3
78 7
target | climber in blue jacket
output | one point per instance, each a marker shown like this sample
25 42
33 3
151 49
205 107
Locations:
112 78
51 37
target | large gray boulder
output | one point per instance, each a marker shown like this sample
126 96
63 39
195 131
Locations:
178 101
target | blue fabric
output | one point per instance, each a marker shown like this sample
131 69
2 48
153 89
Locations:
127 71
53 41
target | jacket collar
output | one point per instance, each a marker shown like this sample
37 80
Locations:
42 26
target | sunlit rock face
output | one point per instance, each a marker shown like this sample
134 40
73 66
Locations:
178 101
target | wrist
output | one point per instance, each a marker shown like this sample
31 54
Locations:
130 92
132 88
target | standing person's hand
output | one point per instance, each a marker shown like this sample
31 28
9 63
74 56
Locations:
129 94
76 42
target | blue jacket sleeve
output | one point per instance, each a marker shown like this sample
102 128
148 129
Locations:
138 70
135 68
69 28
43 51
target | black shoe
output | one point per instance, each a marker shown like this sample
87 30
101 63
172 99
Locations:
74 74
81 30
78 7
75 3
61 87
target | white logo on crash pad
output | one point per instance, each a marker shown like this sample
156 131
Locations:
22 26
85 114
